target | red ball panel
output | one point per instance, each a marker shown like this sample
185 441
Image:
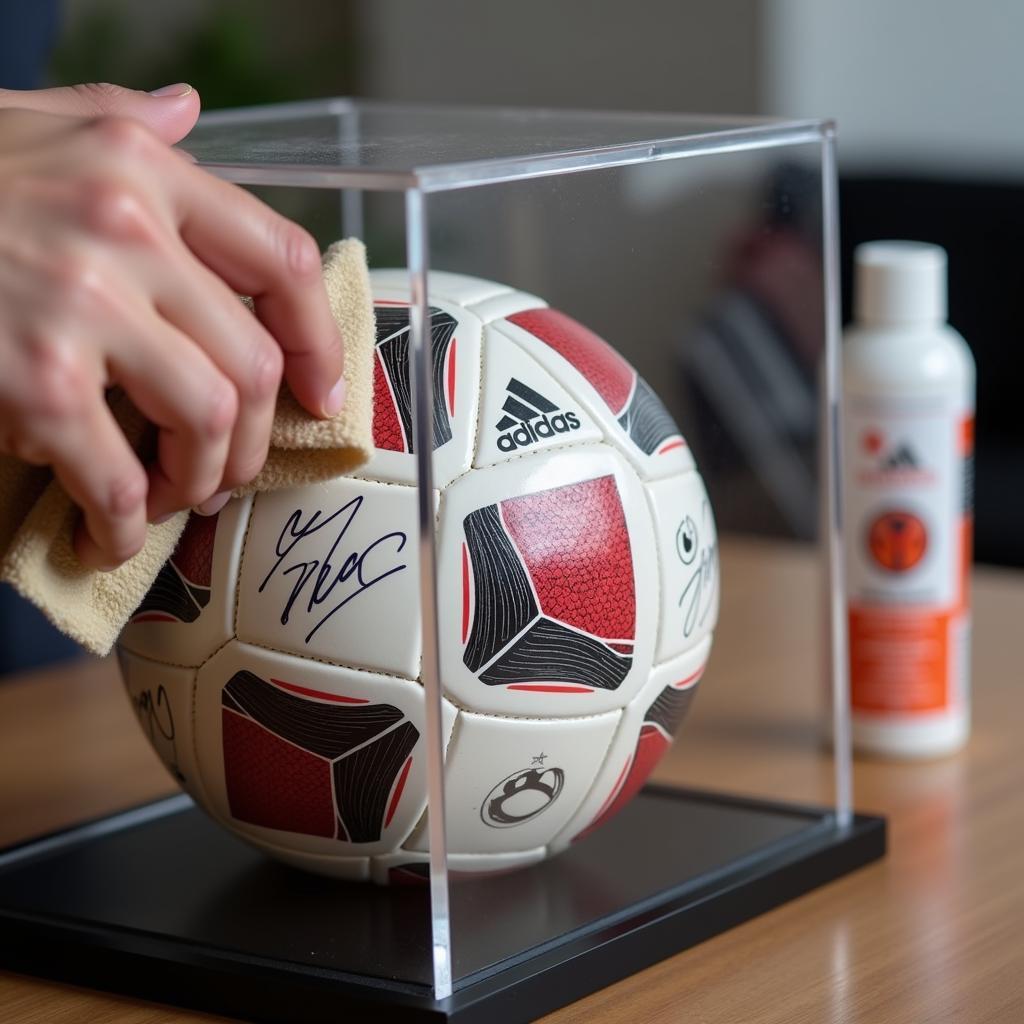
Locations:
193 557
575 545
387 430
611 376
650 748
273 783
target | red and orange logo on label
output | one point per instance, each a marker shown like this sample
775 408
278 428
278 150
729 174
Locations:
897 540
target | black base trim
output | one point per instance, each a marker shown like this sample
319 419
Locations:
215 927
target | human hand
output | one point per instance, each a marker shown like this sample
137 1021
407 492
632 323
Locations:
120 264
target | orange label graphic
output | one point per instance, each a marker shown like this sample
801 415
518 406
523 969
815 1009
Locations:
898 659
897 541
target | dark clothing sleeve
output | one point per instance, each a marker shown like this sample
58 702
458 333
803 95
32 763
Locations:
28 30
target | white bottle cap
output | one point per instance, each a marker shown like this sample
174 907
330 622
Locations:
899 283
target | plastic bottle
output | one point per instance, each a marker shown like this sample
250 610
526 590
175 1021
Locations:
907 488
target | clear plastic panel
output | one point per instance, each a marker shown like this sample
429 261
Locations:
382 146
708 277
714 277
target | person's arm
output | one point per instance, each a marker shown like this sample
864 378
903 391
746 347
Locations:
121 264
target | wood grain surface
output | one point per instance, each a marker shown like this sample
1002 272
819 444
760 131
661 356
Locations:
935 932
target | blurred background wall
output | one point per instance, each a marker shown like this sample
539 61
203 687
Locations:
926 94
916 85
925 86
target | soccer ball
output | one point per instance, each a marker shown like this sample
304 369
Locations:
275 662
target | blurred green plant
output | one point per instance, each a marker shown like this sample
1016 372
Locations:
234 53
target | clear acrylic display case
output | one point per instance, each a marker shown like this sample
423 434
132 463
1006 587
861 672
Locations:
705 250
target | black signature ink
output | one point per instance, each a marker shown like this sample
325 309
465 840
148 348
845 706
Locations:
157 718
697 596
324 575
155 713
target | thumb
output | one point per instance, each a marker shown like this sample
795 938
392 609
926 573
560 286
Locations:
169 113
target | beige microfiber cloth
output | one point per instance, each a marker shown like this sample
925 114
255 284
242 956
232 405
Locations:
37 518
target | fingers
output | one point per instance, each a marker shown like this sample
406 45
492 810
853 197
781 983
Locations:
259 253
96 466
170 113
246 244
134 266
200 306
178 388
101 474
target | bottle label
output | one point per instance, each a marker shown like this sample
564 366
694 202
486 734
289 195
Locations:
907 502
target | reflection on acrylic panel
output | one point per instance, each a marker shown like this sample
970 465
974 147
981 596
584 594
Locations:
578 583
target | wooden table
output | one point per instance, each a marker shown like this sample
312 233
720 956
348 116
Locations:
935 932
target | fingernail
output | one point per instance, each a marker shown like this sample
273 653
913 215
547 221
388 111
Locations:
336 399
213 505
179 90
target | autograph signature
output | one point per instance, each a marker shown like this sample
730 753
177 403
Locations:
157 719
698 595
320 585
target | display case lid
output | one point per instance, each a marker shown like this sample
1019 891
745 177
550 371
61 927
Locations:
343 143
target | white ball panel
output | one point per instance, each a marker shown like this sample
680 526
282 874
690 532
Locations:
181 622
688 555
255 728
162 698
458 614
331 571
672 455
522 409
506 304
625 757
512 784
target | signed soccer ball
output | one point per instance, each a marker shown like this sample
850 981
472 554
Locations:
275 662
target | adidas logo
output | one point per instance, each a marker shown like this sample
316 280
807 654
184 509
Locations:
901 458
530 417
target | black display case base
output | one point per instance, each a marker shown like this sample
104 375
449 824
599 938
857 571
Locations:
160 903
